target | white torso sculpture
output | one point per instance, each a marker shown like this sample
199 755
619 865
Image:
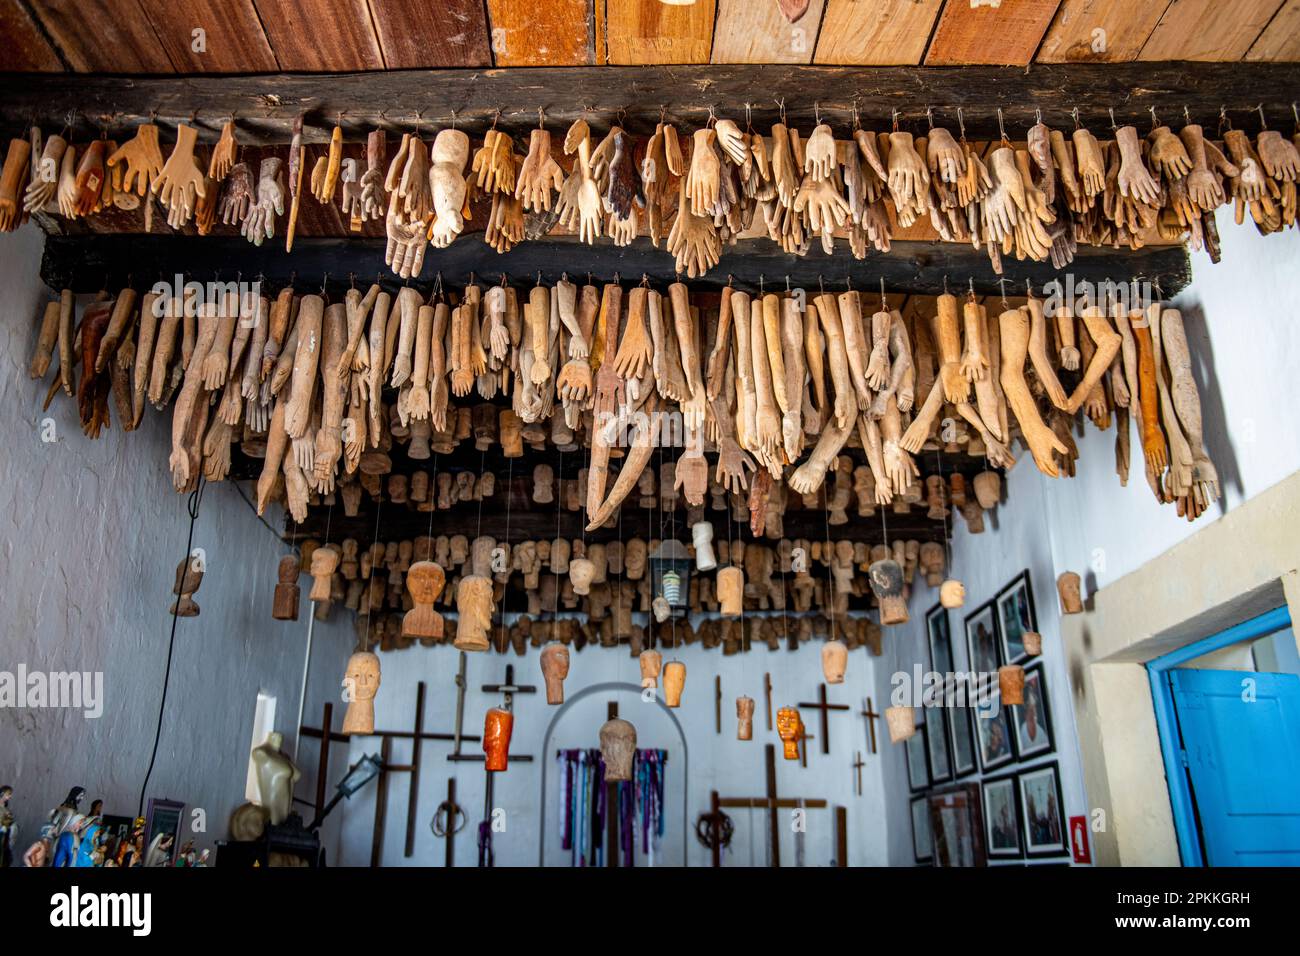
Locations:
276 776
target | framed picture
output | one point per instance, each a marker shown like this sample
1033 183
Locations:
1002 818
918 773
994 736
1015 616
922 844
162 831
963 741
939 636
956 826
1030 720
936 744
1042 811
982 640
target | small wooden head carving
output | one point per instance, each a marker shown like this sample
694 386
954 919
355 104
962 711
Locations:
474 604
952 594
425 581
1011 681
674 680
835 658
617 748
1069 587
189 575
988 489
361 683
702 539
789 726
887 584
731 591
497 727
284 607
581 572
745 718
555 667
543 484
901 722
651 664
324 560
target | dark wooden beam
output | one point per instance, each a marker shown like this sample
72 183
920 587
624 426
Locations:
265 104
86 263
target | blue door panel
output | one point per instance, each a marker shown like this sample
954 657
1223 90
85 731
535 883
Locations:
1243 757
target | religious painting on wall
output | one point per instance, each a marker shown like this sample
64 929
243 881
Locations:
1015 616
922 845
918 772
162 831
936 738
994 733
939 634
1043 811
963 741
982 642
1032 723
1002 817
957 826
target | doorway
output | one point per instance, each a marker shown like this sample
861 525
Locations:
1231 746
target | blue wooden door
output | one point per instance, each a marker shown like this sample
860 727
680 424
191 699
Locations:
1241 740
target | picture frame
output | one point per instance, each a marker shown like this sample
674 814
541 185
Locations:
922 839
956 826
962 742
1003 837
994 738
1042 811
1015 615
982 642
163 819
938 635
938 756
915 750
1032 720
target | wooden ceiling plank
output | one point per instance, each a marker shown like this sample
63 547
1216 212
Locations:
432 33
757 32
541 32
321 36
103 36
639 32
1100 31
232 40
26 46
1281 38
1208 30
1006 35
876 32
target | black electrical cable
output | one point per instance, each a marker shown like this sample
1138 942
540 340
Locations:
192 506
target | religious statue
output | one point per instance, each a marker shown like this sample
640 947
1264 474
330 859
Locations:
789 726
188 579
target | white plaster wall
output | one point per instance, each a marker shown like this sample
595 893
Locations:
90 536
716 761
1243 327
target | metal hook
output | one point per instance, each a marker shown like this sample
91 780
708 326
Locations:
929 117
541 117
894 118
961 124
817 112
1187 116
1263 124
780 105
1111 111
1002 129
1155 120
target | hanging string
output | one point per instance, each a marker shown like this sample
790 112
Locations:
510 482
192 508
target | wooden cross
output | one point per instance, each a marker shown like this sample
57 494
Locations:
804 737
767 693
453 817
825 708
771 803
509 689
871 717
858 765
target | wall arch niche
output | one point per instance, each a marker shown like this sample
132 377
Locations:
576 724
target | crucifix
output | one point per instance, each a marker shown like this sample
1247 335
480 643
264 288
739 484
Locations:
804 737
771 803
825 708
767 693
871 718
327 735
509 688
858 765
